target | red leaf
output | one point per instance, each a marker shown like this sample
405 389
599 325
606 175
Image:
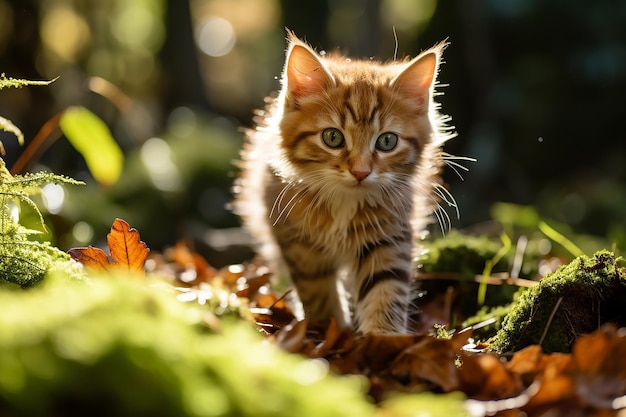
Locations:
91 257
126 247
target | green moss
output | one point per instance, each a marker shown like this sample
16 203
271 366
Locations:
461 258
459 253
495 315
575 299
123 348
438 405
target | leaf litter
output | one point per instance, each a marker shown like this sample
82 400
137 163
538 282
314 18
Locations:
589 381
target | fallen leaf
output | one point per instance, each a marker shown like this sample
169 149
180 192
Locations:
333 340
486 377
430 360
91 257
598 366
126 247
188 259
292 337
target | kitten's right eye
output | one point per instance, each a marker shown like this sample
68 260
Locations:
333 138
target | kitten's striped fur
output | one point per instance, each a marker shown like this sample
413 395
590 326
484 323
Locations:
344 220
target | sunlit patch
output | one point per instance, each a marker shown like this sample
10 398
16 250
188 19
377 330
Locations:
216 36
157 158
14 212
54 196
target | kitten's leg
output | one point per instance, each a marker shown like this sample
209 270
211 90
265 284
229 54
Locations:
315 279
383 287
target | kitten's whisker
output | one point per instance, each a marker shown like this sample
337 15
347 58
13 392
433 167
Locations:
455 167
279 199
443 218
450 160
449 156
447 197
286 210
398 197
295 203
289 206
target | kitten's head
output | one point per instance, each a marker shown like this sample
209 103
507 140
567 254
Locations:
357 124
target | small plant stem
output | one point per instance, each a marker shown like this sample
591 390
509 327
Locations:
49 130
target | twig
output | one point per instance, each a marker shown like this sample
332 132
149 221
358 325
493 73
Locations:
520 248
545 330
494 279
49 130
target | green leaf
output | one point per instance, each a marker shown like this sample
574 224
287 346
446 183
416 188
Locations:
93 140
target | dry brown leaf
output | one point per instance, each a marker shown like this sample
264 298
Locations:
337 340
598 366
486 377
556 391
250 289
126 247
531 362
184 256
376 352
91 257
432 360
292 338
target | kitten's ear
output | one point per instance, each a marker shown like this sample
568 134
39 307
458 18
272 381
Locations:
417 79
304 72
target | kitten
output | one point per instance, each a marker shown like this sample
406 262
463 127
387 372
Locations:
339 179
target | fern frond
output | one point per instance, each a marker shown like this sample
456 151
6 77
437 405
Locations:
24 261
8 126
7 82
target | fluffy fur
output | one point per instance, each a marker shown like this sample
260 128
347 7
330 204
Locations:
343 220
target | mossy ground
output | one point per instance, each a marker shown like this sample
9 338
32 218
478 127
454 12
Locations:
575 299
115 346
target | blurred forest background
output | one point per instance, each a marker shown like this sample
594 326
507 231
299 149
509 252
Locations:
536 93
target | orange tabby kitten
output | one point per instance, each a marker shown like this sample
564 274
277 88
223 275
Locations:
339 179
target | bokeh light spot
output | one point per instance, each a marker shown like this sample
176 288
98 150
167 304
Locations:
54 196
408 14
216 36
82 232
65 32
157 158
182 121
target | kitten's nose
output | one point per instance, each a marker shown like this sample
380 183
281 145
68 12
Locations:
360 175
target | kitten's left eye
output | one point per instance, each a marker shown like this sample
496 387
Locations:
387 141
